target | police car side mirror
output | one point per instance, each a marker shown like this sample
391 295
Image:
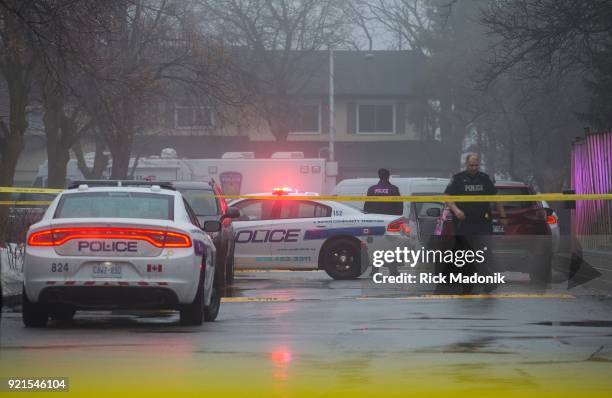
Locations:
433 212
212 226
232 212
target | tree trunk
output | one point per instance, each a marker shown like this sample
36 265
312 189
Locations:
121 158
8 163
100 159
122 140
58 153
451 139
16 75
58 156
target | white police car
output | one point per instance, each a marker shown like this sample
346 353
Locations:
311 234
119 245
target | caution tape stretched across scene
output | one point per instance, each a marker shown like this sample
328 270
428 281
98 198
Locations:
550 197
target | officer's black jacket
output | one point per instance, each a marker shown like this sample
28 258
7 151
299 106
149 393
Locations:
479 184
383 188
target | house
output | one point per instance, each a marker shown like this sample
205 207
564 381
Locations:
382 117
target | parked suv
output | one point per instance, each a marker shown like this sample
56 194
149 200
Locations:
524 244
200 196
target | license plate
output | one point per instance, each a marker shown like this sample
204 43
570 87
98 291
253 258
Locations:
498 229
107 270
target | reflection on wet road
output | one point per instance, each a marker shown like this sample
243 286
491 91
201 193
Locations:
301 333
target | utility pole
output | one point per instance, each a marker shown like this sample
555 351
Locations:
332 124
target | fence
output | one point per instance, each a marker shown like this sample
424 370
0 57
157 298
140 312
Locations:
592 174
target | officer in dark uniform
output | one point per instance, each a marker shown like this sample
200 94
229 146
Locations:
473 219
384 188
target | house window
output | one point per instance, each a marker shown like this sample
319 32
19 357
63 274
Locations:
376 118
192 116
306 119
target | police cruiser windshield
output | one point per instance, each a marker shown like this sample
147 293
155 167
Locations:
116 205
202 201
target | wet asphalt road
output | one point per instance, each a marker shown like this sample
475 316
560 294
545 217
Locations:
286 333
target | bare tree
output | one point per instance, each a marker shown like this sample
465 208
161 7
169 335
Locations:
145 50
542 38
273 37
16 67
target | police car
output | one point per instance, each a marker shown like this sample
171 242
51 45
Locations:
119 245
311 234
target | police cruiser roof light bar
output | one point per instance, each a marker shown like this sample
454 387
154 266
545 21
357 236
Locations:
122 183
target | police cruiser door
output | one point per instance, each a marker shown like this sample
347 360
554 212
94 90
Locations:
252 233
295 225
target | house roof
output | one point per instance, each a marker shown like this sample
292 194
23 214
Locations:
356 73
371 73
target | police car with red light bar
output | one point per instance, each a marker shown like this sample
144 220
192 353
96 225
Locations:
105 245
308 234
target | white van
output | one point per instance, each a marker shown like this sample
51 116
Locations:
421 220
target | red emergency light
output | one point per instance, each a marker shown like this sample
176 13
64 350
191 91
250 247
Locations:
282 191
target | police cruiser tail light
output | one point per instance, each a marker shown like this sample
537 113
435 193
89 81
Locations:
157 238
398 225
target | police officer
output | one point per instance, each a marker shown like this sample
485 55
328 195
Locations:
384 188
473 219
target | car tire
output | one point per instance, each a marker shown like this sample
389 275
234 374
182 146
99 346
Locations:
230 272
193 314
62 314
34 315
341 259
220 271
542 273
212 310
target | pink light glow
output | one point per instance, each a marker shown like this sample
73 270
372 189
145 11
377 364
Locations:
592 173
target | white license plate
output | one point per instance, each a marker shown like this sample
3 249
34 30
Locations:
498 229
107 270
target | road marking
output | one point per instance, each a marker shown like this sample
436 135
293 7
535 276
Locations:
253 300
474 296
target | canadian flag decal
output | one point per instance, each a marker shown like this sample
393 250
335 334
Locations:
154 268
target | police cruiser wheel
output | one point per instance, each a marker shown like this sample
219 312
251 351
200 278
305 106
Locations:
229 276
341 259
193 314
211 311
34 315
220 271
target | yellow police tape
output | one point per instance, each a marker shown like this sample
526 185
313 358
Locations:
24 202
28 190
551 197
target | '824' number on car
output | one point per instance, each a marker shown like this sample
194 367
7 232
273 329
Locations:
59 267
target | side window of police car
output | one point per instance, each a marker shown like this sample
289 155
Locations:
191 214
295 209
255 210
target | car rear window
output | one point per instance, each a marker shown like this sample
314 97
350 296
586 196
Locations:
116 205
515 191
202 201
